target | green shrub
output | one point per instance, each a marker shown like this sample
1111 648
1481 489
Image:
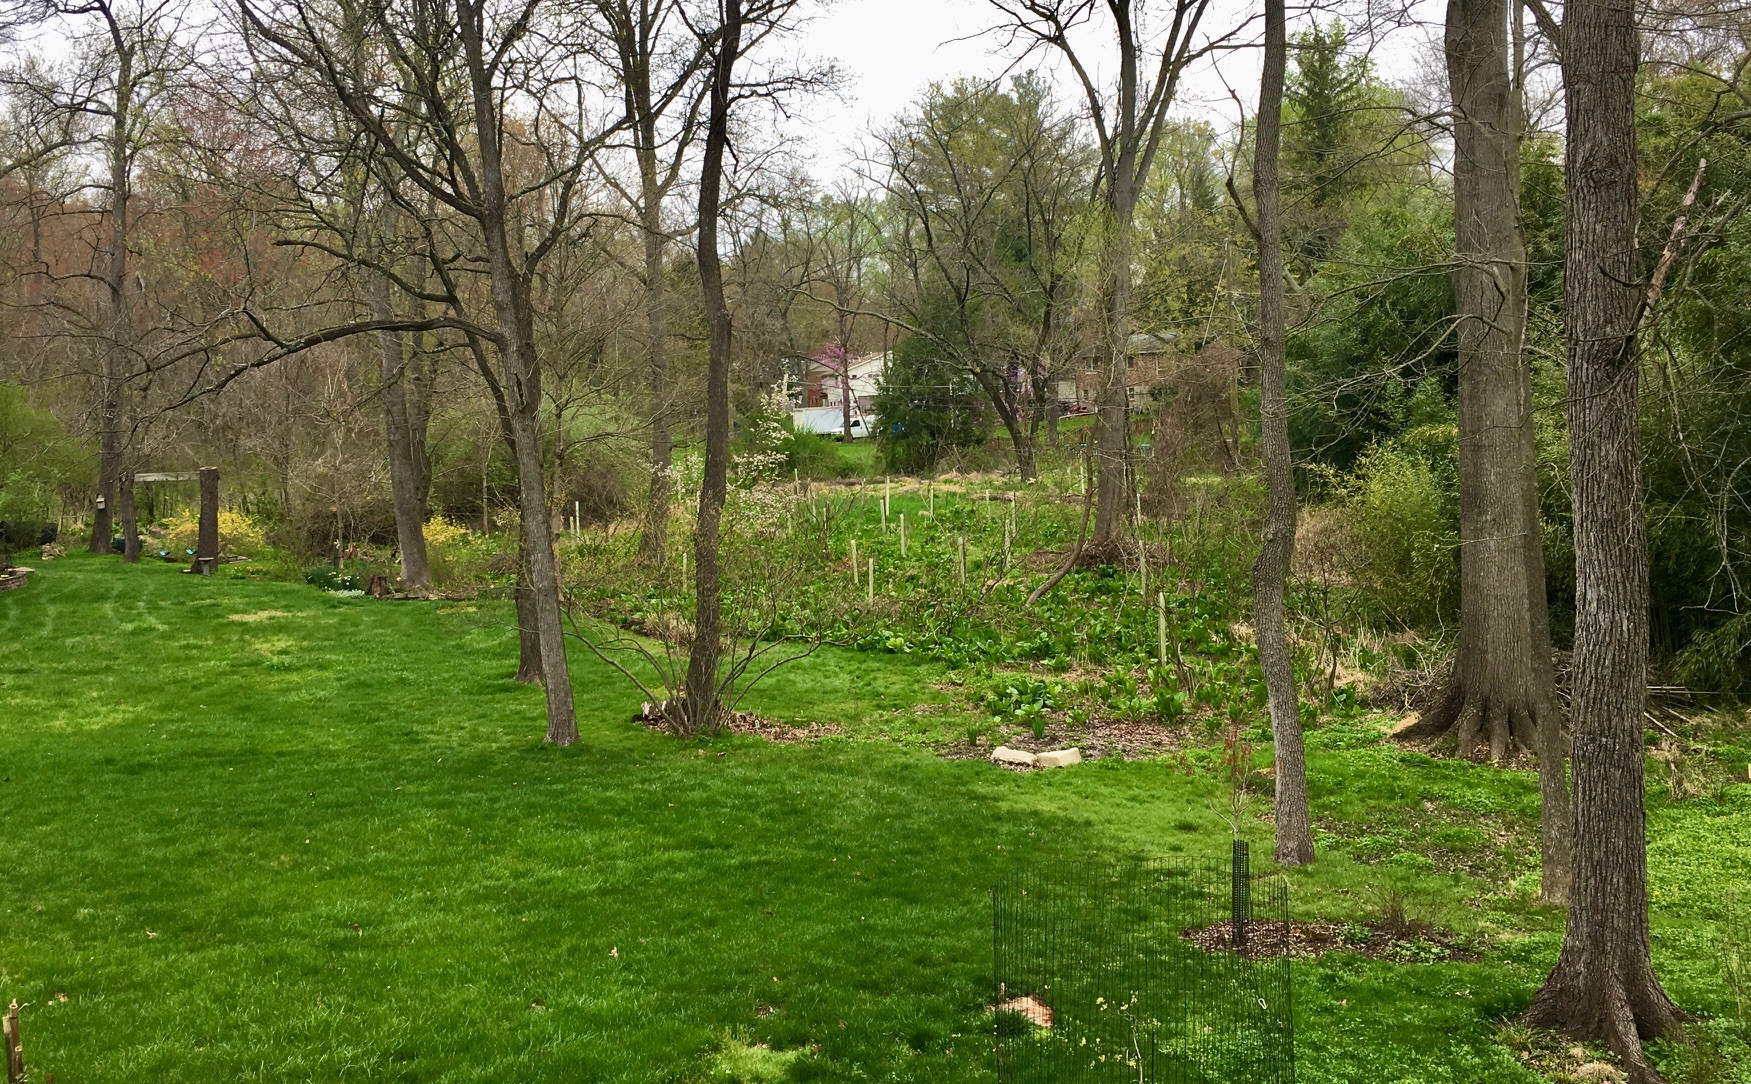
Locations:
1719 659
1399 510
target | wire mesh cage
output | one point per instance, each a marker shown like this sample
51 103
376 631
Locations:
1156 972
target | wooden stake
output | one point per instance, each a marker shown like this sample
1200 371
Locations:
855 567
1007 534
930 491
961 564
902 534
14 1047
1161 628
577 517
872 579
1143 569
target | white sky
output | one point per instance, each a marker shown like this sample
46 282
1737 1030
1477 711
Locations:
891 50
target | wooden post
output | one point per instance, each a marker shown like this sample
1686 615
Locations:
207 546
872 579
14 1047
930 492
1007 534
961 563
902 534
577 518
1161 628
1143 569
855 567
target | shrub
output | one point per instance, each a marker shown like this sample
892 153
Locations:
237 533
1399 511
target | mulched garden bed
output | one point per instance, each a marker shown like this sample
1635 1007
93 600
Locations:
1268 939
745 722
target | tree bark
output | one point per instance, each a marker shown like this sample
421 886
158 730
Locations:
130 522
1114 409
112 380
654 540
1502 692
406 442
1270 572
513 311
700 707
1603 986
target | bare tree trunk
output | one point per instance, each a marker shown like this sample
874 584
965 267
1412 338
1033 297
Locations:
113 379
1502 692
654 540
701 703
130 522
516 323
1603 986
1114 408
406 446
1270 573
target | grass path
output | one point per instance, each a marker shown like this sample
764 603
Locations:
253 832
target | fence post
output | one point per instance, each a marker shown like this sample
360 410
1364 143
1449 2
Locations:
1240 894
14 1047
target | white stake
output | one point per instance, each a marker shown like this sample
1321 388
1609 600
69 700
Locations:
1139 509
902 534
1143 569
577 517
961 564
1006 540
930 488
872 579
855 567
1161 628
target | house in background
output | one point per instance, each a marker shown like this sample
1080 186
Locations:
823 385
1150 360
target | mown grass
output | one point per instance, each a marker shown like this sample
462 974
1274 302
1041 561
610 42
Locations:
255 832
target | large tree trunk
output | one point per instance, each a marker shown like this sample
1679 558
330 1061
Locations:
130 522
522 384
1502 692
701 708
113 379
656 514
1270 572
1603 986
1110 449
406 442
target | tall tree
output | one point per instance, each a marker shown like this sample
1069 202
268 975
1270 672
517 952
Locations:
440 109
1152 50
1603 986
657 66
701 705
1502 690
1270 572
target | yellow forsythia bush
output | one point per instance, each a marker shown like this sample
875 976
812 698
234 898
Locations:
237 534
442 531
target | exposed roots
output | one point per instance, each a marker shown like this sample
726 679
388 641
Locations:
1603 1009
1481 726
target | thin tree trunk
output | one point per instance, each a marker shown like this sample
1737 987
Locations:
1502 692
654 540
701 707
516 323
1603 987
112 381
405 446
1270 572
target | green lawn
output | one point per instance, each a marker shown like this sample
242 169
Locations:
251 831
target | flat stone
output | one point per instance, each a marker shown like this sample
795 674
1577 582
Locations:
1058 758
1003 754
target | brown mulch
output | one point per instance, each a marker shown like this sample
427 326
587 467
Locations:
745 722
1272 938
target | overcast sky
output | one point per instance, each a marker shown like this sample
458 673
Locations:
891 50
